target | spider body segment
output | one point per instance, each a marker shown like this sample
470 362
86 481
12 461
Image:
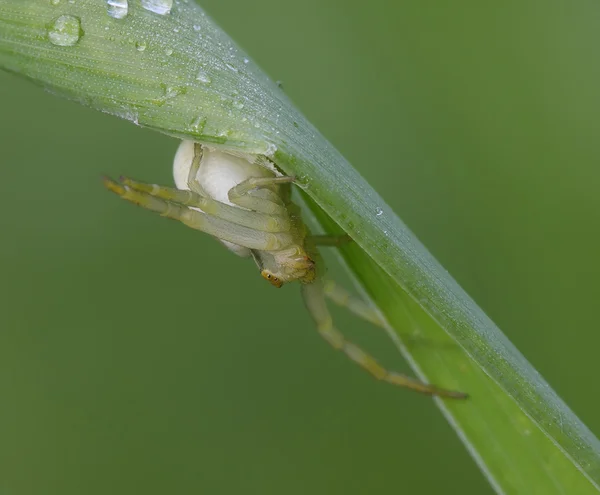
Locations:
250 182
244 202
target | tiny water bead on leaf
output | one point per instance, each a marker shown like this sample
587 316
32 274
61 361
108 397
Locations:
242 200
203 77
65 30
161 7
117 8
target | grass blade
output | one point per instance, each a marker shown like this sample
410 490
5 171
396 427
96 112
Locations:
181 75
512 451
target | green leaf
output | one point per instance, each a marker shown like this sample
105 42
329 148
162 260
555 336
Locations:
178 73
514 453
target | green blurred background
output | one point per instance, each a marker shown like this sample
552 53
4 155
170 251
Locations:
138 356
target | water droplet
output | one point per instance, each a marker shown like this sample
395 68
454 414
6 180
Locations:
117 8
54 2
203 77
197 27
379 211
173 91
246 60
160 7
65 31
140 46
168 52
169 92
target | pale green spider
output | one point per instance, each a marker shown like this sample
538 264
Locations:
243 201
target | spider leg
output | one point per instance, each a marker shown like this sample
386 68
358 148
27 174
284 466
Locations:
250 219
254 195
212 225
193 172
314 298
355 305
329 240
363 310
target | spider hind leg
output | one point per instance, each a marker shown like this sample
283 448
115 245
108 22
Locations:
314 298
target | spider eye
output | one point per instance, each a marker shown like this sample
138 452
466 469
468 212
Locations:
271 278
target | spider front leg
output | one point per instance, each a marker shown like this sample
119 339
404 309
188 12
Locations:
314 298
250 219
241 235
253 193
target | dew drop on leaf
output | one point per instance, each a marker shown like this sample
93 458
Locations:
117 8
203 77
160 7
65 31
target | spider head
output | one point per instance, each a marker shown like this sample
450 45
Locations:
279 267
270 277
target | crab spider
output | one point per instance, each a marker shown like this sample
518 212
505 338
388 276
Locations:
245 203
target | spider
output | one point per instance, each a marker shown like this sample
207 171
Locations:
244 202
